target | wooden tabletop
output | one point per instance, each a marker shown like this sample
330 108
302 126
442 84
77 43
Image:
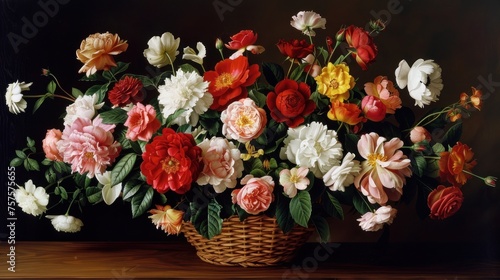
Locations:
142 260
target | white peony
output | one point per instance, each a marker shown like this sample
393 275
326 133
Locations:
109 193
65 223
307 21
162 50
312 146
14 97
188 91
31 199
85 106
423 80
341 176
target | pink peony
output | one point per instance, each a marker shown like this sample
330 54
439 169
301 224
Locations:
141 122
243 120
383 172
49 144
222 164
88 146
256 195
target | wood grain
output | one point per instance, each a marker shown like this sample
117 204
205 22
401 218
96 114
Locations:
142 260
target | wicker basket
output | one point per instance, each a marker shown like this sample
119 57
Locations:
257 241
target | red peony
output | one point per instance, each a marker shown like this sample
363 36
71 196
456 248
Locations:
125 91
229 80
290 102
444 202
360 39
295 49
172 161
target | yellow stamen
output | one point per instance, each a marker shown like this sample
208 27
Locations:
372 158
170 165
224 80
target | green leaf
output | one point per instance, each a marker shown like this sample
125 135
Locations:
20 154
432 169
76 193
76 92
298 72
438 148
187 68
419 165
122 168
50 175
258 97
30 142
174 116
283 216
453 135
31 164
131 188
47 162
272 72
114 116
332 206
142 201
51 87
16 162
360 203
82 181
39 103
99 90
208 220
112 74
59 190
145 80
322 227
301 208
93 194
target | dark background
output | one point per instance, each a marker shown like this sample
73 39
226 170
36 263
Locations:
463 37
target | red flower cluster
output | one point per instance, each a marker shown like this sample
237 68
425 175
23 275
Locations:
365 50
172 161
295 49
125 91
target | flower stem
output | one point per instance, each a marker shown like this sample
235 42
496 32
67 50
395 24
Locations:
171 63
59 85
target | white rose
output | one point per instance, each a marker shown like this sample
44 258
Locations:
65 223
14 97
31 199
85 106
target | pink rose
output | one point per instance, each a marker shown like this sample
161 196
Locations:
256 195
141 122
444 201
419 134
49 144
88 146
373 108
243 120
222 164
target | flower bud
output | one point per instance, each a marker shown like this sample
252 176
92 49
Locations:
373 108
340 35
377 25
490 181
219 44
45 72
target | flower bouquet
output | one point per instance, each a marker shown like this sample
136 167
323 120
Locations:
295 142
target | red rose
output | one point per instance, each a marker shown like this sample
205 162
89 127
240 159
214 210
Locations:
229 80
444 201
360 39
172 161
289 102
241 40
125 91
295 49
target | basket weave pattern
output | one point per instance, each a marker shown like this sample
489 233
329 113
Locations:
257 241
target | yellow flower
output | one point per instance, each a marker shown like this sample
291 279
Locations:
335 82
251 152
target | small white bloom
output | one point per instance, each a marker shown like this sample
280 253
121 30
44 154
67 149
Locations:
374 221
190 54
31 199
188 91
307 21
14 97
339 177
109 193
423 80
162 50
85 106
294 179
65 223
313 146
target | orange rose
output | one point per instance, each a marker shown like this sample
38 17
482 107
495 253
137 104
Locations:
345 112
96 52
256 195
444 202
452 164
166 218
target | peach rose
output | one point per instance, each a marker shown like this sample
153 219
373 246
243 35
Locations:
141 122
49 144
419 134
256 195
96 52
444 202
243 120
